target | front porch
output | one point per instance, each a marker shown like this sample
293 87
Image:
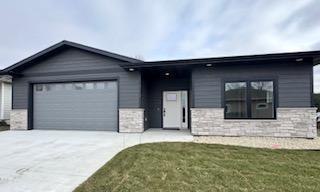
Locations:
166 97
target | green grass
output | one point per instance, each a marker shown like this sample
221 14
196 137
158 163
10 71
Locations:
204 167
4 128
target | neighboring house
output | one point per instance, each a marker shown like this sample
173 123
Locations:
5 98
72 86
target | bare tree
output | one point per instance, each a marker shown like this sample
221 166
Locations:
140 57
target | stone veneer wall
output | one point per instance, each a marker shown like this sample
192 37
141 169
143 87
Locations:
131 120
19 119
290 122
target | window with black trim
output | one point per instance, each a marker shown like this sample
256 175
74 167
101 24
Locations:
249 100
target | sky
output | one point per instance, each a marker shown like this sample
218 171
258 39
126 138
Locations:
162 29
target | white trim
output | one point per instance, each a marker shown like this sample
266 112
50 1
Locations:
2 101
171 110
178 108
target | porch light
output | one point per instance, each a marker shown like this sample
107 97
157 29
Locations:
167 74
299 59
131 69
209 65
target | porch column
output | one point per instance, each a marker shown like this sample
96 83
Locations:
19 119
131 120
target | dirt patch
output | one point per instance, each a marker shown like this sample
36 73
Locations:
262 142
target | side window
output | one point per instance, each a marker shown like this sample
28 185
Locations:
78 86
235 100
89 85
39 87
100 85
262 101
68 86
47 87
249 99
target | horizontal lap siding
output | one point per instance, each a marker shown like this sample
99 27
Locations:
206 89
74 65
294 82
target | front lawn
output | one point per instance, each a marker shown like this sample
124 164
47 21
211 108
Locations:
4 128
204 167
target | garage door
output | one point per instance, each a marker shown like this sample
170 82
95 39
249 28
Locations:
75 106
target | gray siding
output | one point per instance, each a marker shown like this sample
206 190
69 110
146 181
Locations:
294 82
144 100
72 65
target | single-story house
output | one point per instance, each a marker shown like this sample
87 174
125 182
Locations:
69 86
5 98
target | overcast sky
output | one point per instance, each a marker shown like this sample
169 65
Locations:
159 30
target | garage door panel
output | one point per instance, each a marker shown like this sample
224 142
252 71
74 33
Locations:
76 106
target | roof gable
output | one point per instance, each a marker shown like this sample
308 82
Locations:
63 44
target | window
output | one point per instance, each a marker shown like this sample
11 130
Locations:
100 85
58 87
89 85
39 88
111 85
78 86
171 97
249 99
68 86
262 105
235 100
48 87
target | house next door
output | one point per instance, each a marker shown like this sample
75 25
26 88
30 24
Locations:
175 109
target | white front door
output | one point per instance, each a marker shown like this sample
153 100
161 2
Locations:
175 109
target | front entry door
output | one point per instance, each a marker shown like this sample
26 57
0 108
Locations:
175 109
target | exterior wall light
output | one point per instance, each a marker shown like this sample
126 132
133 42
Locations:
299 59
209 65
131 69
167 74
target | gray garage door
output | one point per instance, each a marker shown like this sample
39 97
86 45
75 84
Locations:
75 106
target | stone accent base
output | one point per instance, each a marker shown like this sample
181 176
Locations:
19 119
290 122
131 120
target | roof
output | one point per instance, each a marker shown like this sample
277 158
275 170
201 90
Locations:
230 59
135 63
65 43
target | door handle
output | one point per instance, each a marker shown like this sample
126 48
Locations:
183 114
164 112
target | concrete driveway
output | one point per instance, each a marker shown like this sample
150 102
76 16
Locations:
61 160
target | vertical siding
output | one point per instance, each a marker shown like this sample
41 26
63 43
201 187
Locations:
294 82
74 64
